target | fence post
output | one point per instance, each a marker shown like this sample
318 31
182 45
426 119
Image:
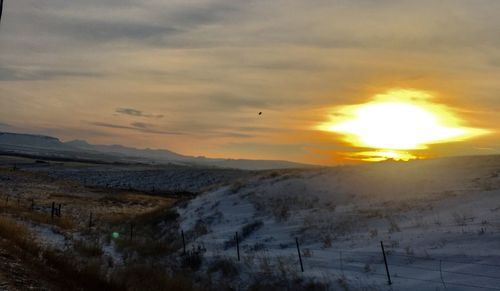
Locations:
90 220
59 210
238 246
183 242
53 209
341 263
385 262
441 273
300 256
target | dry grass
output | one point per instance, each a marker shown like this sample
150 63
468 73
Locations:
68 276
83 267
17 233
88 248
26 214
130 208
45 218
149 231
146 277
144 248
55 267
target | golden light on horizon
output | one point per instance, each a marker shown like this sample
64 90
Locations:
395 122
383 155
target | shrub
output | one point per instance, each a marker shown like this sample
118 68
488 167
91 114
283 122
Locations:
394 227
19 235
236 187
367 268
409 251
146 247
88 249
200 228
276 283
227 267
13 231
250 228
307 253
193 258
327 240
157 216
460 218
245 232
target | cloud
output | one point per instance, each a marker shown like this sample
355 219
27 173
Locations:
141 127
138 113
100 23
39 74
102 30
211 65
5 126
226 101
148 128
215 134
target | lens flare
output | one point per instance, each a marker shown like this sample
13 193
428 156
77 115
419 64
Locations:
395 121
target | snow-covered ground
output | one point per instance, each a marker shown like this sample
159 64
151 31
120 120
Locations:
439 221
152 179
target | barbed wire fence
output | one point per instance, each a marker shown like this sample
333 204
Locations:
397 267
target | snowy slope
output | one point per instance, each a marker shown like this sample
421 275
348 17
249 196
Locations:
439 221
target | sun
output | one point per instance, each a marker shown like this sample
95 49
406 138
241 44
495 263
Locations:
397 121
397 126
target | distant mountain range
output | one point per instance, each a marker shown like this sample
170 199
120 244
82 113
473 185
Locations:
46 147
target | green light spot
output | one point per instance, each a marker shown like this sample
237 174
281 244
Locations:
115 235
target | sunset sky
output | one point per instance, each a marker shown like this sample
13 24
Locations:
192 75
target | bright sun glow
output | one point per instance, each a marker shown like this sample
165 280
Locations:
395 121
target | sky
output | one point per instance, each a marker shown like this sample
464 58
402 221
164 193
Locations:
192 76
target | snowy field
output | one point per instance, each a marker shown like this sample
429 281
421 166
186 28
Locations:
439 221
170 179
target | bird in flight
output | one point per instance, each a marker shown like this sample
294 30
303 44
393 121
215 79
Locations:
260 113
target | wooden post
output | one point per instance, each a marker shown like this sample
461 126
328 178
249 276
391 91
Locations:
238 246
386 266
441 273
53 209
300 256
131 230
90 220
59 211
183 242
18 202
341 263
